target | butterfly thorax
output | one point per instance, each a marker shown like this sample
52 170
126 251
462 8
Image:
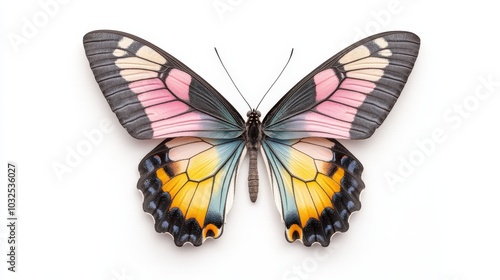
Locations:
253 135
253 131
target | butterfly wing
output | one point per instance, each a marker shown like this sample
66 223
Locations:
316 181
153 94
316 184
350 94
188 180
188 186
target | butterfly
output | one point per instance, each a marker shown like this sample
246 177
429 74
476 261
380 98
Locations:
188 180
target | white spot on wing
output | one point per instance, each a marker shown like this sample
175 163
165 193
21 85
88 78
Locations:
381 42
125 42
274 183
314 151
385 53
357 53
136 63
119 53
188 151
372 75
369 62
230 193
181 141
131 75
319 141
150 54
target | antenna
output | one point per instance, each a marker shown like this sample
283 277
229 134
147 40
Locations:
223 66
232 79
288 61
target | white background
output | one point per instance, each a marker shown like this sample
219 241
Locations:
436 219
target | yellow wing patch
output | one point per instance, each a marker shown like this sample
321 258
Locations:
203 164
200 201
187 182
304 200
318 182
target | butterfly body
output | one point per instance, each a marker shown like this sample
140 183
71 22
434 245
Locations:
188 180
253 133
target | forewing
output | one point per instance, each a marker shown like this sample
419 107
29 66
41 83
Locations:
349 95
153 94
188 186
316 184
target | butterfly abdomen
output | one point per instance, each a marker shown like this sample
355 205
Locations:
253 174
253 135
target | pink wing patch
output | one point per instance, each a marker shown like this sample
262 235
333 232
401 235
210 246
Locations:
178 82
349 95
153 94
339 104
326 83
320 125
168 113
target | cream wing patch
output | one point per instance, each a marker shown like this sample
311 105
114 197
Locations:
355 54
150 54
131 75
381 42
136 62
119 52
136 68
125 42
